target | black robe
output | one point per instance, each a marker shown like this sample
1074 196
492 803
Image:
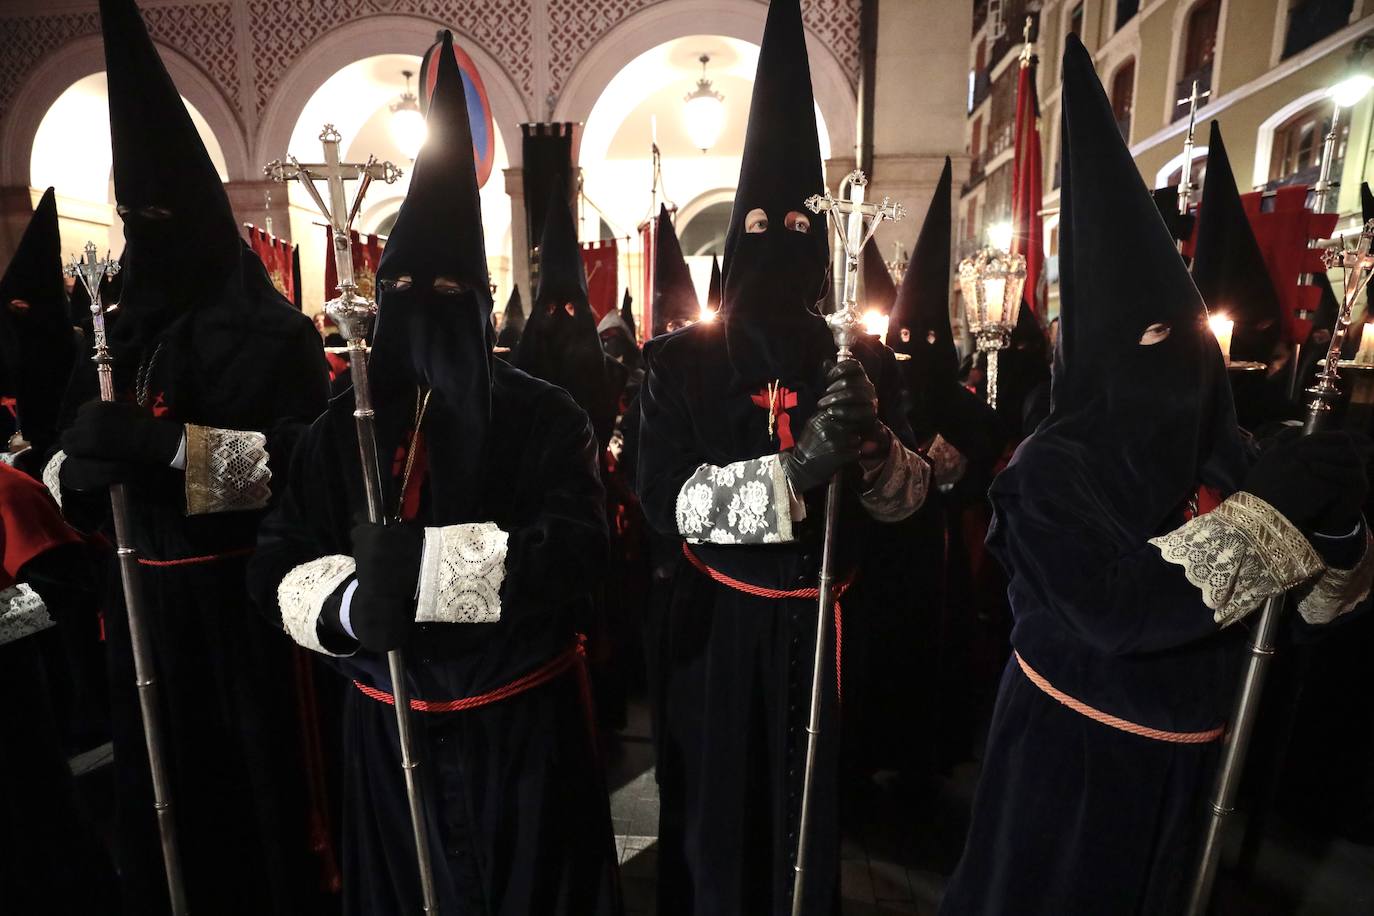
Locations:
248 361
520 818
736 675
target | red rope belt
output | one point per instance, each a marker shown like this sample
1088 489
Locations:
196 561
1124 725
758 591
572 657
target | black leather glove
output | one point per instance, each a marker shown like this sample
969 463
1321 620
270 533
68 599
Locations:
84 475
850 397
1316 482
382 611
825 446
120 431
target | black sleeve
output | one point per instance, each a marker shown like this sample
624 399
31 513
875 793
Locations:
668 454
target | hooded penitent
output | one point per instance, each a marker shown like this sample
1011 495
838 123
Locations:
618 338
1228 266
675 298
879 291
713 292
919 325
1137 374
512 322
434 313
560 343
776 251
627 314
182 243
36 342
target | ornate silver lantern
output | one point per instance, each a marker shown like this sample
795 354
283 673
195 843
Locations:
992 282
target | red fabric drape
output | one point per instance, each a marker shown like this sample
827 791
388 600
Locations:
1283 234
367 252
1027 191
602 263
277 256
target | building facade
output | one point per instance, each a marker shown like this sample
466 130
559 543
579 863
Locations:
1266 65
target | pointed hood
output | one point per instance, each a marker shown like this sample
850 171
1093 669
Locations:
434 310
1229 268
675 298
777 251
618 339
512 321
879 291
919 325
36 343
182 239
714 291
1141 411
627 314
560 344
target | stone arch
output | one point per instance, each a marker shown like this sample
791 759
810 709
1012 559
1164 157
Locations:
369 37
82 57
663 22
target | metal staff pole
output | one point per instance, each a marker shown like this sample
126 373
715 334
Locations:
355 316
1185 179
1357 264
90 272
846 324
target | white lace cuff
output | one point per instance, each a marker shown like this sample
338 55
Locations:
1239 554
947 463
302 594
52 476
22 613
747 502
461 570
1339 591
226 470
900 487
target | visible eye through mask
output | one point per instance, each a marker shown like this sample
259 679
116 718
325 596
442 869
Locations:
1155 333
756 222
797 222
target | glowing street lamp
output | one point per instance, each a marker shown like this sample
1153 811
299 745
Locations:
407 124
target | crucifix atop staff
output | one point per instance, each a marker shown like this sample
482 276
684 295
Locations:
352 313
861 219
1185 181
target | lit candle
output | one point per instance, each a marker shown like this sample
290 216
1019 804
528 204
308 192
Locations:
1221 329
706 314
875 323
1365 356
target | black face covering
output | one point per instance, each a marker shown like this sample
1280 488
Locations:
773 279
1140 397
182 242
434 313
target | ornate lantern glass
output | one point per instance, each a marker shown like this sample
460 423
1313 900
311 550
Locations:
992 282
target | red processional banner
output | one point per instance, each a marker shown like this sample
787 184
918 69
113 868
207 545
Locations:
1284 232
1026 192
601 260
279 257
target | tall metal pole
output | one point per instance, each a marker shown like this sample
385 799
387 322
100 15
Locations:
1358 265
90 272
1185 180
355 316
847 326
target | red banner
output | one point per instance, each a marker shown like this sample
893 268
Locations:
1284 232
1026 192
367 252
278 256
602 262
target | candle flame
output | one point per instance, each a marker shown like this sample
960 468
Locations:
875 323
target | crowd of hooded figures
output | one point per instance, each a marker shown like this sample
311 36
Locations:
1059 587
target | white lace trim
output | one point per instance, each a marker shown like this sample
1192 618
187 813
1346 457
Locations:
52 476
947 463
461 570
1337 592
226 470
1239 554
900 487
22 613
747 502
302 594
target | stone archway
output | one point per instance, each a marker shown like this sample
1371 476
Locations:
81 58
370 37
664 22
